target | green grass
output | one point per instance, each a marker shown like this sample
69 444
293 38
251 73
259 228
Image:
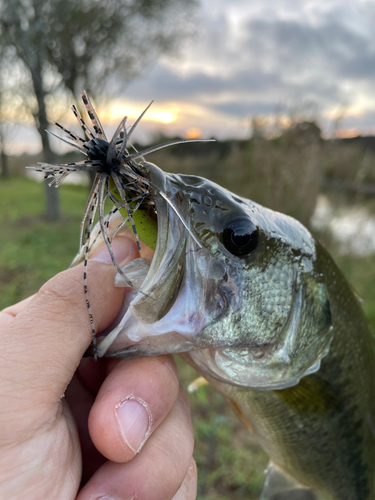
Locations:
32 250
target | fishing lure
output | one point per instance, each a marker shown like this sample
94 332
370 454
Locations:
118 177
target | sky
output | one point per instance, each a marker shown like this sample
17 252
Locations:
265 57
262 57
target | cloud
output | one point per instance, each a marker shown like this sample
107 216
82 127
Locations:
252 57
292 48
171 85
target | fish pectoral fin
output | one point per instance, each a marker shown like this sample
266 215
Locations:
239 414
280 486
198 382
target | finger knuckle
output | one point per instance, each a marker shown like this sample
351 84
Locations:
62 288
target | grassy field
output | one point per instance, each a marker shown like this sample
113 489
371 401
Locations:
32 250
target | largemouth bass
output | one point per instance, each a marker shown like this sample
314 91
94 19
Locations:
257 306
260 309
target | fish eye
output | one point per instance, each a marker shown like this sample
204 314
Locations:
240 237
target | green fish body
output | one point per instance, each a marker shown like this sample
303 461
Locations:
260 309
321 431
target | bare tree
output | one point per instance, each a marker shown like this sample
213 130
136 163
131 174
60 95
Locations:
4 172
99 42
5 102
65 45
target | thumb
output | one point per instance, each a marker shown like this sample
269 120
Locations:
42 347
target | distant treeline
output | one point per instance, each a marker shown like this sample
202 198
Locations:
285 172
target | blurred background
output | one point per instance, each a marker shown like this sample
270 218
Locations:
286 88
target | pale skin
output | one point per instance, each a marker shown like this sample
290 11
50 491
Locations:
71 428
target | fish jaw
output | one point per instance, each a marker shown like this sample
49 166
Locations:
184 290
261 320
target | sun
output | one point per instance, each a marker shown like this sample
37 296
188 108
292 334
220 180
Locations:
162 116
155 115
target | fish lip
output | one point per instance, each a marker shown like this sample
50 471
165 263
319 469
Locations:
281 382
154 299
173 344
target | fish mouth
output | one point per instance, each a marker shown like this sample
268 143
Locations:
178 293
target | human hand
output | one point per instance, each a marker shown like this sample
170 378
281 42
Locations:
122 431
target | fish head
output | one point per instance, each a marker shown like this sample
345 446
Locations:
235 286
